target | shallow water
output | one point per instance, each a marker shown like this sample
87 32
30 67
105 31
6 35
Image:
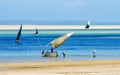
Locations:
78 47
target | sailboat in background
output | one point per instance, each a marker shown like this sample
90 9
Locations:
36 31
88 25
19 34
56 43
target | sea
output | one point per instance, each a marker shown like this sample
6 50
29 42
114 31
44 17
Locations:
79 46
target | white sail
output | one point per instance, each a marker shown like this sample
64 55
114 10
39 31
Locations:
57 42
88 22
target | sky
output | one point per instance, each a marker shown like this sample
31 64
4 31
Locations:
61 10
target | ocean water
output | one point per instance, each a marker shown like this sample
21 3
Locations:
78 47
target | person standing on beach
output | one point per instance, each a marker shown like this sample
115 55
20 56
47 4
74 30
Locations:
94 53
63 54
51 50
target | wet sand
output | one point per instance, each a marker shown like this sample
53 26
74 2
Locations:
91 67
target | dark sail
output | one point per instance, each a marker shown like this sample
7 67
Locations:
88 25
36 31
19 34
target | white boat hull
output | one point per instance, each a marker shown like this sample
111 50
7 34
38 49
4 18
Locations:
49 54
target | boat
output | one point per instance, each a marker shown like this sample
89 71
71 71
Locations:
36 31
19 34
88 25
55 44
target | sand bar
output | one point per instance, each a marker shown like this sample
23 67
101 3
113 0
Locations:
91 67
43 27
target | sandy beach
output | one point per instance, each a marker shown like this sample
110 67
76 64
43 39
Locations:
88 67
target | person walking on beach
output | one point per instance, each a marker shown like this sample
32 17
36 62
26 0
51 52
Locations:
63 54
94 53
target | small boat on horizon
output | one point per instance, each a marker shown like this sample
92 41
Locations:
56 43
88 25
36 31
19 35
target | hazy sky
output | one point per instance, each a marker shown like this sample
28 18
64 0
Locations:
97 10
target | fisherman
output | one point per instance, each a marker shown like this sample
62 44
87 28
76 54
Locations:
94 53
43 52
51 50
63 54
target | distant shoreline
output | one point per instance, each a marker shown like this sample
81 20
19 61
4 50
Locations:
56 27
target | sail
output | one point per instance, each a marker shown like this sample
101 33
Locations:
19 34
57 42
36 31
88 25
